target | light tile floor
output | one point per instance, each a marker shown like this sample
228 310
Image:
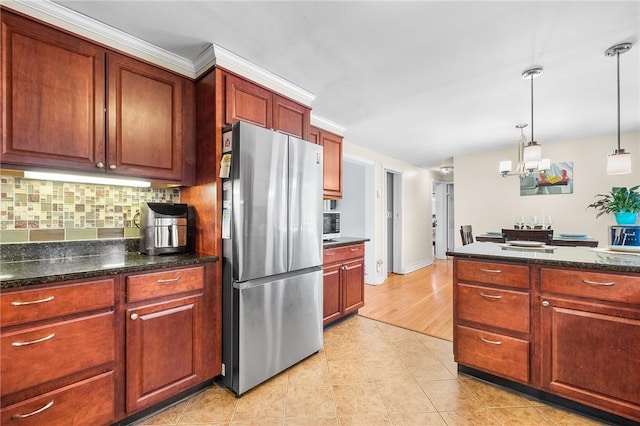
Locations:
369 373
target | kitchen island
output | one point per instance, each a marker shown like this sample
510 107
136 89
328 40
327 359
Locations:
559 323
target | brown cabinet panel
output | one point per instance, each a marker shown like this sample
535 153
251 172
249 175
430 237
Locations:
314 135
145 120
343 281
53 102
332 147
592 357
164 350
164 283
290 117
494 307
597 285
248 102
495 353
67 346
493 273
332 295
85 403
37 304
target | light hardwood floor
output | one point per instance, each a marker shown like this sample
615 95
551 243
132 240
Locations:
421 301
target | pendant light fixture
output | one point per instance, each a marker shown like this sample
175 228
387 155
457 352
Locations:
532 152
529 153
618 163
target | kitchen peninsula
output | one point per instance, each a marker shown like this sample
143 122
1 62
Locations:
559 323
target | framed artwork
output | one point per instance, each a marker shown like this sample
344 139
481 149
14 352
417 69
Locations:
558 179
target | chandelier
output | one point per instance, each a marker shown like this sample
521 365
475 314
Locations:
529 153
618 163
524 167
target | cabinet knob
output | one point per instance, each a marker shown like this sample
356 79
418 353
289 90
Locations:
112 167
100 165
134 317
545 303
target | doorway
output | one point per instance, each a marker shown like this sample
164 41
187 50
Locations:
445 232
392 223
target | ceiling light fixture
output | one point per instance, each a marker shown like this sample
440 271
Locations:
529 153
446 169
99 180
618 163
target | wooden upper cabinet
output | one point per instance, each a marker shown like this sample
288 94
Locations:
145 120
59 91
53 97
332 146
248 102
290 117
314 135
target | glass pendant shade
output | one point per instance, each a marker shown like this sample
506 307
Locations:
544 164
505 166
532 152
619 163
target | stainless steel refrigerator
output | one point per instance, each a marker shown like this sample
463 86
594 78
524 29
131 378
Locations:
271 253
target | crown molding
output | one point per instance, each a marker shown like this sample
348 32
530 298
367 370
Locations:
213 55
327 125
78 23
218 56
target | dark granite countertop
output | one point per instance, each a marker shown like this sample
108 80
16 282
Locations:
72 261
601 259
343 241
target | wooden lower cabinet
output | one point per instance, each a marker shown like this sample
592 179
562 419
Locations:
88 402
343 282
164 350
164 335
583 343
591 348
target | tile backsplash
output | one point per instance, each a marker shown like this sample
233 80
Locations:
36 210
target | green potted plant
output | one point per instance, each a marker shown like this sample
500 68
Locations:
622 202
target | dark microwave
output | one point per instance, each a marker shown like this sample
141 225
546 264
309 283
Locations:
330 225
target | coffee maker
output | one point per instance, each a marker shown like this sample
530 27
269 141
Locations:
165 228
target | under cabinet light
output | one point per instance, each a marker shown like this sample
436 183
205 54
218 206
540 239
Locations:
98 180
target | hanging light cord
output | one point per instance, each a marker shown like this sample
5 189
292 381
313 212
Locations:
618 59
532 108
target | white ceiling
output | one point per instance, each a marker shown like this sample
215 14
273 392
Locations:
420 81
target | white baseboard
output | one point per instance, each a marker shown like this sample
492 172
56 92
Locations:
416 266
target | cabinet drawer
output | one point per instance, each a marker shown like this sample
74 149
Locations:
496 307
501 355
40 354
493 273
338 254
32 305
88 402
597 285
164 283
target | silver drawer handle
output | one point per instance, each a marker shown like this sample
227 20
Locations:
490 296
492 342
492 271
33 413
329 253
609 283
42 339
169 280
33 302
354 249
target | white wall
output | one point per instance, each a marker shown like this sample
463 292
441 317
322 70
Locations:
489 202
416 210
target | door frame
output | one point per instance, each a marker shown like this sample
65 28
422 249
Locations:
445 235
396 244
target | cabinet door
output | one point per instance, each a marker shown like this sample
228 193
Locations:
590 354
290 117
248 102
145 120
353 286
53 97
331 309
332 145
164 350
